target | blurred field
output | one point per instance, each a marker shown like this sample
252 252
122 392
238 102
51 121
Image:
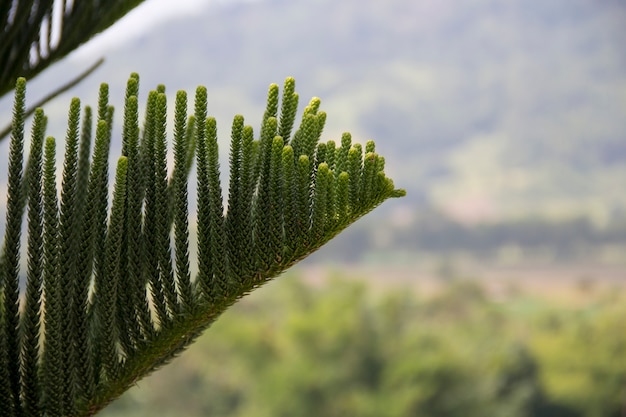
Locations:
446 339
568 285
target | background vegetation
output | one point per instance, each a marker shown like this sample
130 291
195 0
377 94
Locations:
338 349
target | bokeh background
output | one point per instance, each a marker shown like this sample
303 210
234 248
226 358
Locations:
496 287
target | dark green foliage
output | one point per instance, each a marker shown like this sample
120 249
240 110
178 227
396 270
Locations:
275 200
303 199
68 253
30 323
81 352
181 212
288 109
355 161
130 250
112 301
26 44
204 236
290 209
243 257
234 217
163 252
320 203
52 364
342 196
107 287
219 280
135 304
11 252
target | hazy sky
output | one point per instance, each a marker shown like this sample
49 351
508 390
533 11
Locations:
145 16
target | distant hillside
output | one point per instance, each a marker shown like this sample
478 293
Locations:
485 109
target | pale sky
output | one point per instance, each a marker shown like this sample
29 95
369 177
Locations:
135 23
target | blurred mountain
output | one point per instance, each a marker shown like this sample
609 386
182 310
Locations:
485 109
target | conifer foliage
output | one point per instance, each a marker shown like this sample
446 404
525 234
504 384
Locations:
109 294
35 34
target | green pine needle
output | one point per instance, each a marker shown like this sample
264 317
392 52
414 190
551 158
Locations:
107 301
30 323
11 253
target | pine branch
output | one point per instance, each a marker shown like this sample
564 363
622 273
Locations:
331 151
106 288
57 92
234 217
136 303
26 43
152 207
246 258
220 287
204 202
290 208
320 203
289 108
162 209
182 145
52 364
5 385
84 219
262 207
303 201
31 316
11 251
97 212
274 216
116 304
68 252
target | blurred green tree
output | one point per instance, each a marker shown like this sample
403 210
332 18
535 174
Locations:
340 350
